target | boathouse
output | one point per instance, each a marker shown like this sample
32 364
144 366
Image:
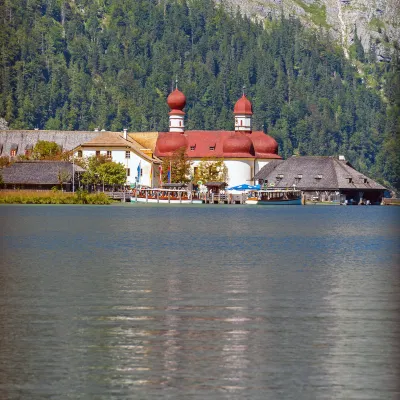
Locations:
40 175
330 179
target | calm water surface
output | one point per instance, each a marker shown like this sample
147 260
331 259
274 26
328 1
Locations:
199 302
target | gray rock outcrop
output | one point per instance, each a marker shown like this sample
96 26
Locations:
377 21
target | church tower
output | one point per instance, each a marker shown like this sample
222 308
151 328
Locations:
243 112
176 102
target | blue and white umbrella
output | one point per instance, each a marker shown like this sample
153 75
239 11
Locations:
244 187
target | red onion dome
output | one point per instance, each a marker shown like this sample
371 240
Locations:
176 100
238 143
264 143
171 141
243 106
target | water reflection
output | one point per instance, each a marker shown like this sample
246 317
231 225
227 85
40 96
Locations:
222 303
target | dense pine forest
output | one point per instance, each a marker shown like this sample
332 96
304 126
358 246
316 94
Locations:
110 64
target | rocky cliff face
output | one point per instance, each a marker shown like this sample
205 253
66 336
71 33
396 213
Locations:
377 21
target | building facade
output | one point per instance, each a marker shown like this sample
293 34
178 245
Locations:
243 151
321 179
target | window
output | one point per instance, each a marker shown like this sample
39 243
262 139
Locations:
127 154
128 171
79 153
195 169
193 147
97 153
13 153
27 153
109 154
141 171
350 180
212 147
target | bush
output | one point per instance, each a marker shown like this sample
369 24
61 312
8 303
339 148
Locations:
52 197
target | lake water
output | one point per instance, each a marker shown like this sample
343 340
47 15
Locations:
199 302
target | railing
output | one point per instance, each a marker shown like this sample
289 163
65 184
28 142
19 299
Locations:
119 195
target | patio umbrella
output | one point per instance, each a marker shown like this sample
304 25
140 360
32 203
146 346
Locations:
244 186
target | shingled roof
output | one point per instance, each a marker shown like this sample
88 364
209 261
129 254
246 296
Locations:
26 139
315 173
37 172
23 140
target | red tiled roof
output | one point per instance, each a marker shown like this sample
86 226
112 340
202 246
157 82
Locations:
209 144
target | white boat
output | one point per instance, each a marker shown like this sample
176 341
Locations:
274 197
164 196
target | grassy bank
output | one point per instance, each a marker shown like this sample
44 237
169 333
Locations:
49 197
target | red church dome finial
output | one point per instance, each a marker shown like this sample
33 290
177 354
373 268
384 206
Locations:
176 100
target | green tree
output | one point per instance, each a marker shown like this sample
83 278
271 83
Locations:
211 171
45 150
180 166
112 173
63 176
99 170
91 166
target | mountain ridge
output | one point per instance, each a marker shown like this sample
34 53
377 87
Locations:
376 22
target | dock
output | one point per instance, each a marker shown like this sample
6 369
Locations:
205 198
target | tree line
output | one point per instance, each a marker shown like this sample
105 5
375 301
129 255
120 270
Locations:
110 64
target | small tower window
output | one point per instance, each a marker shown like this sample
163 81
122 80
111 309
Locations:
127 154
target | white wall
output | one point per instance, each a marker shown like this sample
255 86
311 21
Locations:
132 163
259 164
239 171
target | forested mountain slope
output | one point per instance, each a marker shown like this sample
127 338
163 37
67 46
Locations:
375 22
81 64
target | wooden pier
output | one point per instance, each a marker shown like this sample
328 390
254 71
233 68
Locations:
206 198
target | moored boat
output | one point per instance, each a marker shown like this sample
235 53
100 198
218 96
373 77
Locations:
274 197
164 196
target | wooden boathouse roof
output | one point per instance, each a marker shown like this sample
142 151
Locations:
315 173
37 172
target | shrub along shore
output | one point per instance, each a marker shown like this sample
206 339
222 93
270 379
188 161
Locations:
51 197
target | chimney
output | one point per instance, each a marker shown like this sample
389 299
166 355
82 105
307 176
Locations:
125 133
